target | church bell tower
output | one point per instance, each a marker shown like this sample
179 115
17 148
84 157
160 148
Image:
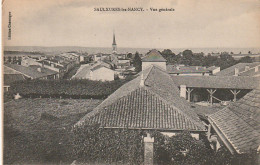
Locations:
114 47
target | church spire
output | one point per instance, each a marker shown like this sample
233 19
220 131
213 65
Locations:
114 39
114 47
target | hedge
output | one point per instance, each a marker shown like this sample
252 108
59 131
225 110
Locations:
66 88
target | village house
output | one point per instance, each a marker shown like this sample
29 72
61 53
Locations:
31 72
11 76
153 58
237 126
142 102
99 72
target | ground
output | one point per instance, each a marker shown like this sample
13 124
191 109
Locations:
37 130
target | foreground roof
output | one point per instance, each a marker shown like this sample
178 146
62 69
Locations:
155 105
153 56
239 123
236 82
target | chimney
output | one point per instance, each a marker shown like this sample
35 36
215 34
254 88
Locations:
148 150
142 80
183 91
39 69
246 68
256 68
236 72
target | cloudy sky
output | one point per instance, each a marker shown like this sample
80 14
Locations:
194 23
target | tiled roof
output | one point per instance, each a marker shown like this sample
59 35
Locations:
251 72
238 82
30 72
83 72
153 56
156 105
240 66
239 123
98 67
10 78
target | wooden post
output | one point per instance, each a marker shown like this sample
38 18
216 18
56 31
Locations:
234 92
211 92
189 90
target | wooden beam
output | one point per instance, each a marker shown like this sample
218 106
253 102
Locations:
189 90
234 92
211 92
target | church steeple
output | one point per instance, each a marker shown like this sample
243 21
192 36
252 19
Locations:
114 47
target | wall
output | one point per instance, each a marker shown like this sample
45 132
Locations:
159 64
103 74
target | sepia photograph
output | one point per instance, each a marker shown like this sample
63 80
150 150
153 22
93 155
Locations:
136 82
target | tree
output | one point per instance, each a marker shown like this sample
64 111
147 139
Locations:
246 59
169 56
129 55
137 62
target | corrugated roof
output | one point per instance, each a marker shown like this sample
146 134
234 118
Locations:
239 123
237 82
153 56
10 78
240 66
156 105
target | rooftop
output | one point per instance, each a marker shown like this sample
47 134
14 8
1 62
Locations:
30 72
156 105
229 82
153 56
240 66
186 69
239 123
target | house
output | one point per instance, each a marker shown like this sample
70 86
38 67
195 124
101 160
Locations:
238 125
146 103
99 71
153 58
240 69
11 78
31 72
191 70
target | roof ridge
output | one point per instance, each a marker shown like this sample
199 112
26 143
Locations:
171 105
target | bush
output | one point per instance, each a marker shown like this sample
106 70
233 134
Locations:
98 145
182 149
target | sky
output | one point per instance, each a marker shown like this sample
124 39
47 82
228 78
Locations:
194 23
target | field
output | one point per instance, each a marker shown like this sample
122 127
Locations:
38 130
